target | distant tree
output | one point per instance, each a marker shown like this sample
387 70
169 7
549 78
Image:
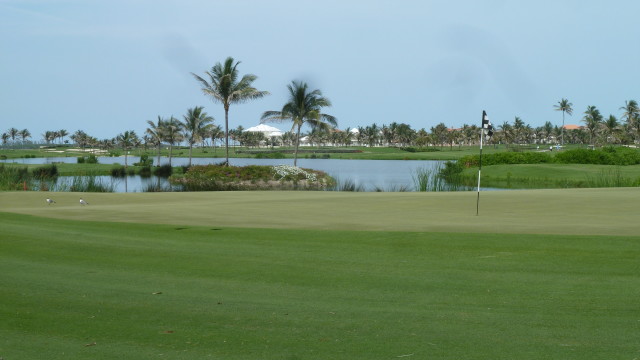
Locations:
224 87
592 119
372 134
612 128
24 135
127 140
5 139
195 126
155 134
440 133
13 134
566 107
302 107
81 138
171 134
62 133
631 116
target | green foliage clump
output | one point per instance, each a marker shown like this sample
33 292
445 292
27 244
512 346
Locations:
91 159
49 171
251 177
118 171
507 158
144 161
13 178
163 171
275 155
145 171
451 172
606 156
412 149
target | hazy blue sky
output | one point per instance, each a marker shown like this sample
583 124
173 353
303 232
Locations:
108 66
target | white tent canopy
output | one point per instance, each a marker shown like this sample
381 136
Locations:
267 130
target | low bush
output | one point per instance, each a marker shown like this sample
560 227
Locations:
275 155
144 161
43 172
422 149
163 171
507 158
606 156
145 171
251 177
118 171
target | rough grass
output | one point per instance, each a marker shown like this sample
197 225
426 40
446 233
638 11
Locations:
554 175
91 290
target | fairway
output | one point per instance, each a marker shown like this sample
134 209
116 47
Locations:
300 275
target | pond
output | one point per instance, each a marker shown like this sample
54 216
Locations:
371 175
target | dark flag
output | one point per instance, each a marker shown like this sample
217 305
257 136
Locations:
487 128
485 133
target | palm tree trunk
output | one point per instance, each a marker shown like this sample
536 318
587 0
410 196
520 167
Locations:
159 146
190 149
562 133
295 153
226 134
170 151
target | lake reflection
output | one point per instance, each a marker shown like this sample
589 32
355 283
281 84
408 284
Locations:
387 175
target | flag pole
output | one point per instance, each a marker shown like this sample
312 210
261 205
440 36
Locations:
480 167
486 125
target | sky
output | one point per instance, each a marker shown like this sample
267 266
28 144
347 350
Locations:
107 66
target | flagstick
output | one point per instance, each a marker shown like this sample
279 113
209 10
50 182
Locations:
479 170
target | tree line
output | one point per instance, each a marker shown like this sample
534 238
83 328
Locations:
304 106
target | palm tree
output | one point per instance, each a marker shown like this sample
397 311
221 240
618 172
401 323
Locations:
566 107
13 134
155 134
631 115
215 133
224 87
61 134
5 139
518 129
611 126
171 134
195 125
592 119
304 106
127 140
24 135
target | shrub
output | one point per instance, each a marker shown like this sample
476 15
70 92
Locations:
92 159
506 158
163 171
144 161
118 171
145 171
48 171
275 155
605 156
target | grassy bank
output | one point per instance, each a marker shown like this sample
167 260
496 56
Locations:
540 176
137 291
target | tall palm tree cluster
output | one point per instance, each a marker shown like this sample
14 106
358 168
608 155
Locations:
10 136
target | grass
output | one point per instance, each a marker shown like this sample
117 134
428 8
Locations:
555 175
605 211
318 275
139 291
